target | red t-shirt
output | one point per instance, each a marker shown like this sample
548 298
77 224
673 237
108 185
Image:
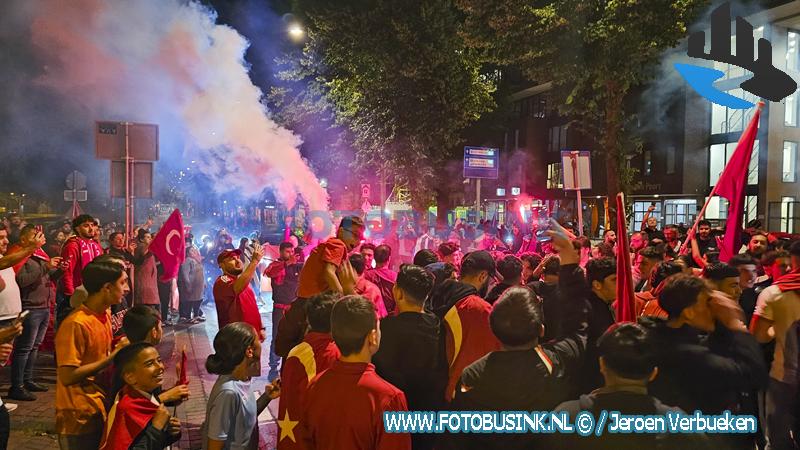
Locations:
312 278
315 354
326 425
236 308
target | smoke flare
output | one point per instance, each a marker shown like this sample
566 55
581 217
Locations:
168 62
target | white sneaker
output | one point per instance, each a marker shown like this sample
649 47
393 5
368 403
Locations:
11 406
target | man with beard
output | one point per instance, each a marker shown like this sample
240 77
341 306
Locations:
326 269
757 247
610 237
461 305
673 244
705 242
235 299
78 251
284 274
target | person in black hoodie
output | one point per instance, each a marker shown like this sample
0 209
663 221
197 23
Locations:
524 375
547 290
626 361
601 275
704 353
412 355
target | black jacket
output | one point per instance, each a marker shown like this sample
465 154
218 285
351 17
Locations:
601 316
551 307
628 402
705 373
522 380
447 294
152 439
495 292
412 358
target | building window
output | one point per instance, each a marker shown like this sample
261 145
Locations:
717 208
751 208
648 162
725 120
639 208
789 162
720 154
792 55
671 159
787 214
790 110
554 179
558 138
680 211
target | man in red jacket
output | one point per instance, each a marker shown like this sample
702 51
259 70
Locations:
469 335
78 251
314 355
233 295
352 381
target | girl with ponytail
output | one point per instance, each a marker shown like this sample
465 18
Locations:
232 410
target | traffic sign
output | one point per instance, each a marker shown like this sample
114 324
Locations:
481 162
366 206
365 190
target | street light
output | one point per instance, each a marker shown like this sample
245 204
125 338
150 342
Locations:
296 31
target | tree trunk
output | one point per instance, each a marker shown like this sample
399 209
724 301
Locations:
442 207
610 144
613 124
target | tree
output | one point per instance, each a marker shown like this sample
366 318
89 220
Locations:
595 52
401 80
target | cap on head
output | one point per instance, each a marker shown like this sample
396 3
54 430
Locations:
228 254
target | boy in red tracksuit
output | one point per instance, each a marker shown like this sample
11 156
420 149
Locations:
315 354
352 381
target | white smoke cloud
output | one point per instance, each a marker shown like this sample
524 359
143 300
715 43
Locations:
168 62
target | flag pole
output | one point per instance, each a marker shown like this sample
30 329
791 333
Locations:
702 212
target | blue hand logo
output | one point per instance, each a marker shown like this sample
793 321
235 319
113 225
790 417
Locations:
767 81
701 79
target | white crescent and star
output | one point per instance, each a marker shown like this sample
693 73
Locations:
169 236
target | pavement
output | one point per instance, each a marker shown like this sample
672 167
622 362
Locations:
33 423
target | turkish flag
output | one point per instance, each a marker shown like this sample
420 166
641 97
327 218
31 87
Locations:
169 246
732 185
626 302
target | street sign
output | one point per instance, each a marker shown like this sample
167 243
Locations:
72 195
365 189
142 141
576 170
481 162
142 179
76 187
76 181
366 206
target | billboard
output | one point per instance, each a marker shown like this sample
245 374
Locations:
481 162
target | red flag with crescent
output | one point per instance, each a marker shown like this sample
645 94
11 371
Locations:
169 246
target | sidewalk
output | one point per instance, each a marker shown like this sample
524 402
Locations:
32 423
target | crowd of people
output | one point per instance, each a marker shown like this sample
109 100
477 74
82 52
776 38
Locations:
507 320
